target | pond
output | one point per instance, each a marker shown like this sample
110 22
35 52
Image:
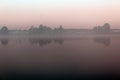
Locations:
59 58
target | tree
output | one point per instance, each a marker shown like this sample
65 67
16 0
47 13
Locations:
44 29
59 29
106 27
4 30
102 29
97 29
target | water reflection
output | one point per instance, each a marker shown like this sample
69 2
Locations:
76 58
43 42
103 40
4 41
59 41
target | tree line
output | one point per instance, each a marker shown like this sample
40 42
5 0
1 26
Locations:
102 29
42 29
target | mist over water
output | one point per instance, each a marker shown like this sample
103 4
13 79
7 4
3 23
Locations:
59 39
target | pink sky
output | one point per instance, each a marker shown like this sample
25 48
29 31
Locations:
70 13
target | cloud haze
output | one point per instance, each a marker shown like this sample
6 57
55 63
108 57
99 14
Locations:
69 13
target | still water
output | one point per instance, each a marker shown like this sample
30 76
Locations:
60 58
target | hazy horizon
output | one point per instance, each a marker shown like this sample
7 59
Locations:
22 14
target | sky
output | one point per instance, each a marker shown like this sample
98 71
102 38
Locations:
21 14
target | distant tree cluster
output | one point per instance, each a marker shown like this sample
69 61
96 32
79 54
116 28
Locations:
42 29
60 29
4 30
102 29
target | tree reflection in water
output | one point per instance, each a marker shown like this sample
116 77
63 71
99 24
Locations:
4 41
103 40
43 42
59 41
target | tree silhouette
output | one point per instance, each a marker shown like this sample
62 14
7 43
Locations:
106 27
44 29
4 30
40 30
59 29
102 29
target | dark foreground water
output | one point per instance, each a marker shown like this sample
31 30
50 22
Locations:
59 59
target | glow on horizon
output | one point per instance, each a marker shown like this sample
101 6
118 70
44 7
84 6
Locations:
69 13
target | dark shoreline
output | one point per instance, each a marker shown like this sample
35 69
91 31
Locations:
61 36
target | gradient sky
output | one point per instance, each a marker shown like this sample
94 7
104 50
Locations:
69 13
